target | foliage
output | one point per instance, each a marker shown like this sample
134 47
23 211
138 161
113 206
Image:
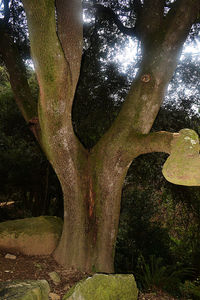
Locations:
190 289
138 235
155 275
25 174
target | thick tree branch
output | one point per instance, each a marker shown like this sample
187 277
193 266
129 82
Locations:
150 18
70 31
160 141
55 79
52 69
157 67
181 11
146 94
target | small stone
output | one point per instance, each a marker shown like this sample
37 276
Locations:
54 296
54 277
39 266
10 256
66 287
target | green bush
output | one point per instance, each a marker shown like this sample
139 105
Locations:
155 275
190 290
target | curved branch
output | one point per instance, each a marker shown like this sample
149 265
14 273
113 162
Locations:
160 141
108 13
137 144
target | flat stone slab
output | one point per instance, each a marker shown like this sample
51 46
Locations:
31 236
104 287
24 290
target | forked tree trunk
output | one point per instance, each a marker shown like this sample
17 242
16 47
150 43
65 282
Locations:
92 201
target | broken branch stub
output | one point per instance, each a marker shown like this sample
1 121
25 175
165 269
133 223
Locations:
183 165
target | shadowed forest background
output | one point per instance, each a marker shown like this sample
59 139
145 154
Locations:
159 221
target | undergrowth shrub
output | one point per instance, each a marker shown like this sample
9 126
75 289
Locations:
190 289
153 275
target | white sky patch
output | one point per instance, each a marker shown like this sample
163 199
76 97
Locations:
131 49
192 49
30 64
1 9
127 55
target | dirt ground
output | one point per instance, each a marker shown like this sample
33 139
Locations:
155 296
39 267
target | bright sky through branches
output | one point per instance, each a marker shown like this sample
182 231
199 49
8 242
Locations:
129 52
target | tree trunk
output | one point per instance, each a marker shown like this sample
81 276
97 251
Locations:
91 217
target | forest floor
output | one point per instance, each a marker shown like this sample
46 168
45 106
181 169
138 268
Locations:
39 267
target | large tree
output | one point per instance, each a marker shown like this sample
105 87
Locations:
92 179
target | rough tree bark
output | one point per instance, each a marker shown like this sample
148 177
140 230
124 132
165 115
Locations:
92 180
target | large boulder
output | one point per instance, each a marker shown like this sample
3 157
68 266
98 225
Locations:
183 165
24 290
104 287
31 236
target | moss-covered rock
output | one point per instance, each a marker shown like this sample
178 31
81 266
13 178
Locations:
25 290
104 287
31 236
183 165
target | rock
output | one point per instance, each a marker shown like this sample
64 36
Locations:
183 165
39 266
54 296
104 287
54 277
8 271
31 236
66 287
24 290
10 256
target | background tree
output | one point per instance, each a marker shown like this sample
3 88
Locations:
92 180
27 180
